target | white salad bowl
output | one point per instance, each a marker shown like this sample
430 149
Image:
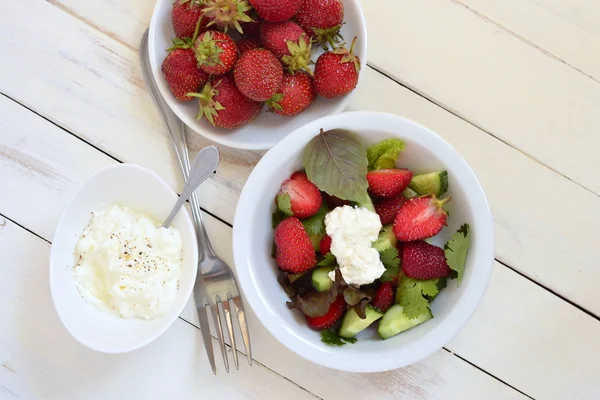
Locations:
257 271
268 128
143 191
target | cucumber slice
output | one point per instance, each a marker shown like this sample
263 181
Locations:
320 278
431 183
409 193
352 324
394 321
386 238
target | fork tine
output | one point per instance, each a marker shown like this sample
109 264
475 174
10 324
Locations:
203 318
239 309
227 312
217 320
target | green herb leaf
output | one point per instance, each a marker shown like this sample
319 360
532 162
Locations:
277 217
336 162
384 154
315 225
391 261
456 251
331 338
284 203
327 261
410 295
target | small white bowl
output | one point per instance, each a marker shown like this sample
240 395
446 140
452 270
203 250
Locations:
144 191
257 271
268 128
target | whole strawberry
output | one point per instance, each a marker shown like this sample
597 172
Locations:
258 74
334 313
276 10
388 182
388 208
184 17
222 104
294 250
294 96
225 14
288 41
421 260
247 44
180 70
322 19
336 72
420 218
384 296
216 52
325 245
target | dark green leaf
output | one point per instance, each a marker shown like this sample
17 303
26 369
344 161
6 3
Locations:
315 225
277 217
456 251
391 261
331 338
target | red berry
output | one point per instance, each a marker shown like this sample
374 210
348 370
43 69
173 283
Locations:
335 312
301 175
325 245
384 296
276 10
216 52
185 16
420 218
288 41
294 96
336 72
321 18
226 14
388 182
421 260
258 74
182 74
388 208
305 197
295 252
247 44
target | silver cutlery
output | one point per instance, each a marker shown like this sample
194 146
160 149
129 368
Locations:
216 289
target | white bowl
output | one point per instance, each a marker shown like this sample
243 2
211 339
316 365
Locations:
253 237
144 191
268 128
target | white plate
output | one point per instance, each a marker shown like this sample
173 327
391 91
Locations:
144 191
253 239
268 128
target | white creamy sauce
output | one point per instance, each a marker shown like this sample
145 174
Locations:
353 231
127 264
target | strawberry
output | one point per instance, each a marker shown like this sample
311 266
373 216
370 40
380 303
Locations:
294 96
216 52
185 17
180 70
384 296
388 208
276 10
304 197
258 74
245 45
335 312
288 41
325 245
224 106
295 252
322 19
301 175
225 14
388 182
333 201
336 72
421 260
420 218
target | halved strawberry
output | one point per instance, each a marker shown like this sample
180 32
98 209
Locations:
421 260
388 182
387 208
294 250
384 296
420 218
299 196
335 312
325 245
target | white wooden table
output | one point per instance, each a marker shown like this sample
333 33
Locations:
512 84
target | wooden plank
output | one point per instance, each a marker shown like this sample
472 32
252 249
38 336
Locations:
568 30
527 238
467 64
442 374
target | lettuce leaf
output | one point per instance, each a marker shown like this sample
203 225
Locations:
384 154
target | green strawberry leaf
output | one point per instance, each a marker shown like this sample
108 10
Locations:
391 261
384 154
315 225
410 295
284 203
456 251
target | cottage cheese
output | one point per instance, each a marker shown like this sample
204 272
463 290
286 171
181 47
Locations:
127 264
352 231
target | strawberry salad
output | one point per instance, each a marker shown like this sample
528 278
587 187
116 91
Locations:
234 56
351 239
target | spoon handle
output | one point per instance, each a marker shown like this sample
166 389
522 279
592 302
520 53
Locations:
203 165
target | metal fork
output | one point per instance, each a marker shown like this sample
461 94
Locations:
216 290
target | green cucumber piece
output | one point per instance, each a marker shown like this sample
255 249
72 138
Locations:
431 183
395 321
409 193
320 278
386 238
352 323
